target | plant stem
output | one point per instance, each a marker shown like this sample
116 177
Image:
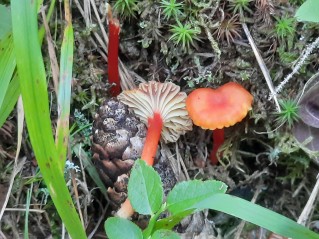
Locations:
113 58
153 135
218 140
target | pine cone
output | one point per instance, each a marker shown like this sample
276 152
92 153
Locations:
118 139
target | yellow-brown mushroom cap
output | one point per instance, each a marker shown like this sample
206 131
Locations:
219 108
164 98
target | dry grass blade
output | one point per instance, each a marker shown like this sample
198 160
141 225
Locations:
304 216
53 58
32 79
64 93
262 65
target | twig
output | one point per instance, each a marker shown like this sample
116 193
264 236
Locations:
23 210
300 63
179 159
309 205
262 65
76 192
53 59
102 217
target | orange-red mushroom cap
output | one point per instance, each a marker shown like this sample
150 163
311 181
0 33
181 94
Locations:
219 108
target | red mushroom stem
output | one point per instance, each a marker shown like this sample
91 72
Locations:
218 140
113 52
153 135
154 129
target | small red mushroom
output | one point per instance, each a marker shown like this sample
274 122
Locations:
162 107
218 108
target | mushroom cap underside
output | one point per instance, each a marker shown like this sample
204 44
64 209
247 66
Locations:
165 99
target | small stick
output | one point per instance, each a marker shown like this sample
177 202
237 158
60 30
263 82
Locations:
262 65
309 206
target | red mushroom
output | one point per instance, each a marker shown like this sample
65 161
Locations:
218 108
162 107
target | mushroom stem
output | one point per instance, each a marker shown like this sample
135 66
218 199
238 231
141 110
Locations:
126 210
113 52
218 140
153 135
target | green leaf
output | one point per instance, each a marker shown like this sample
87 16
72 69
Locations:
64 95
10 99
5 21
7 64
118 228
33 86
186 194
145 189
308 11
256 214
165 234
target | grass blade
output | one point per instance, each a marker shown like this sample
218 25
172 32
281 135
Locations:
256 214
10 99
5 21
64 93
27 208
7 64
33 84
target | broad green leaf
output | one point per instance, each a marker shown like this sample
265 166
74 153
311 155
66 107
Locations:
165 234
7 64
118 228
10 99
186 194
256 214
145 189
5 21
64 94
33 86
308 11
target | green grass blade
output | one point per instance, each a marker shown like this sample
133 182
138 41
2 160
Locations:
5 21
10 99
33 87
27 208
13 90
256 214
7 64
64 94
